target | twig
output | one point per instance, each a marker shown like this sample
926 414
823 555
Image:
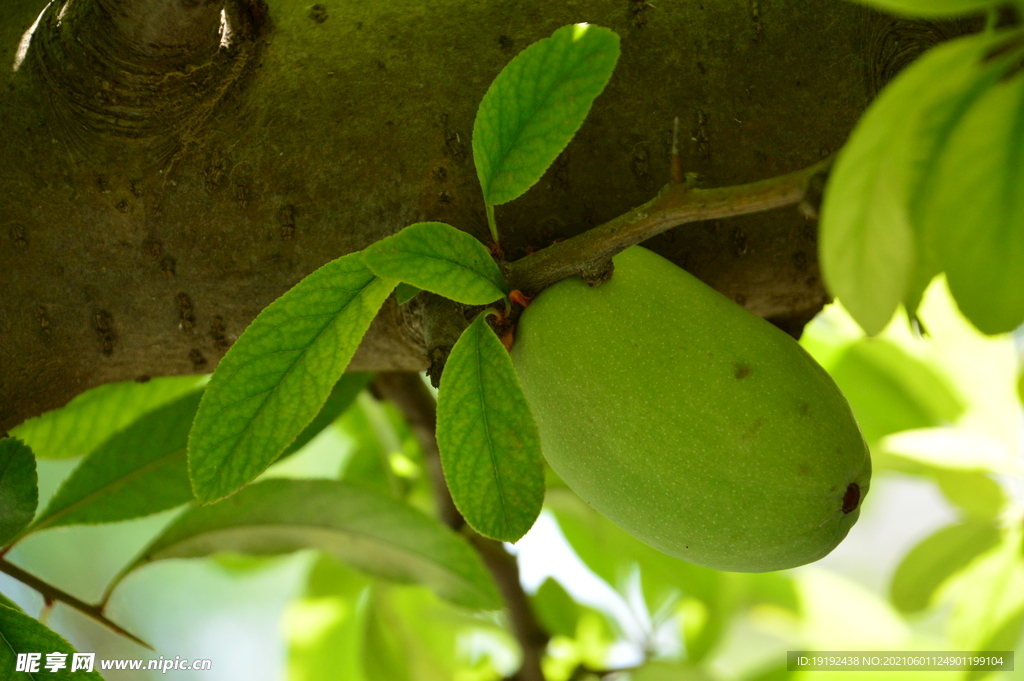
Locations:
675 204
417 405
51 594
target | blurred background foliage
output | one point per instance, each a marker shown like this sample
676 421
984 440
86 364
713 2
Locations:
935 562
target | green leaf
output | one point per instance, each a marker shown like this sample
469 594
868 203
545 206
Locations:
488 440
441 259
92 417
347 627
138 471
404 293
1003 638
977 494
557 611
324 628
872 257
19 494
375 439
535 106
383 654
890 391
374 533
343 394
931 8
936 559
277 376
976 208
20 633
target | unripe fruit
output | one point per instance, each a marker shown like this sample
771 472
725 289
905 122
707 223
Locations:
694 425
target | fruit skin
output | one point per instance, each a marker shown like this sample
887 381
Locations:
692 424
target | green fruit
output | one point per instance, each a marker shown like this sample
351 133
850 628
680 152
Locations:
694 425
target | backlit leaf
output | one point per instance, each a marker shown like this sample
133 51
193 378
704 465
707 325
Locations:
488 440
977 494
441 259
936 559
889 390
277 376
871 256
557 611
20 633
19 494
138 471
343 394
1004 638
535 106
372 532
89 419
976 208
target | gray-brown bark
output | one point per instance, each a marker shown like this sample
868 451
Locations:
160 187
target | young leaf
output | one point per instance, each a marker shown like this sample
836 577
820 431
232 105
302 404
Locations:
405 292
557 611
869 249
441 259
977 494
931 8
139 471
936 559
343 394
20 633
535 106
890 391
374 440
277 376
1003 638
18 492
976 208
80 426
488 440
374 533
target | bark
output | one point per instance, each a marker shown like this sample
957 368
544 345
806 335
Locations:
167 173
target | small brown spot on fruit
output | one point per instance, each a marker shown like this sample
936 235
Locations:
742 371
851 500
803 470
804 409
753 429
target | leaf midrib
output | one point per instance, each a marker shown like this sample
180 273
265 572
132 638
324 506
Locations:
504 152
48 521
222 467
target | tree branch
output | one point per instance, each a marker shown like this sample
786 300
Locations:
419 408
589 253
51 594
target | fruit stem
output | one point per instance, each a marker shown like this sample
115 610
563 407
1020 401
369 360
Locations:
674 205
491 224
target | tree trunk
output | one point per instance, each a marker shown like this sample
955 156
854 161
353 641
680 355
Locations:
170 169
